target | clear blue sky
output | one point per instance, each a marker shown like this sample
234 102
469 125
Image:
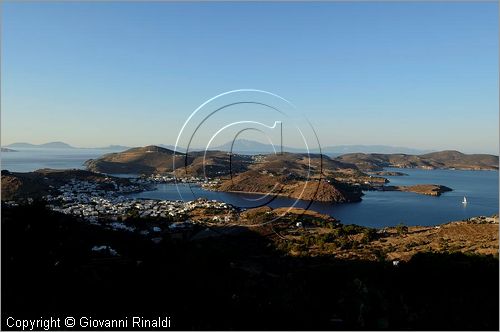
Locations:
422 75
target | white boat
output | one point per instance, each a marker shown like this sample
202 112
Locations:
464 201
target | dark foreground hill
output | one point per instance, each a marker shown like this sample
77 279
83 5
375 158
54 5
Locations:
232 283
442 160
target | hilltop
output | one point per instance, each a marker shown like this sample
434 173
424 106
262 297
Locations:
148 159
434 160
321 191
290 175
156 159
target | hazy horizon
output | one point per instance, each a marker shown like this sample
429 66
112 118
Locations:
416 75
370 148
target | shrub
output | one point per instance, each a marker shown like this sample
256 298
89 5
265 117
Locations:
370 234
353 229
402 229
344 243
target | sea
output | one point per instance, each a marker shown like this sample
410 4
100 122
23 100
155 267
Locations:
28 160
377 208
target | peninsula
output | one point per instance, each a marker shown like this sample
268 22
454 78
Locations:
435 160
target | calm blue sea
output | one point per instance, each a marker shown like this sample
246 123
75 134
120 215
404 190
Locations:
377 209
27 160
380 209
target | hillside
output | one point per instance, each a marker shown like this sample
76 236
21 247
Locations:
17 185
290 186
44 182
213 164
295 176
476 235
285 174
435 160
148 159
155 159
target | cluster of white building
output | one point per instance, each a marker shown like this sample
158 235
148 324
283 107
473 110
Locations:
107 205
93 208
167 178
205 183
110 208
86 200
258 158
83 191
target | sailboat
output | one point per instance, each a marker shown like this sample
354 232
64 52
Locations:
464 202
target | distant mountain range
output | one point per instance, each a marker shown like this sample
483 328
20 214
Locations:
50 145
252 147
62 145
386 149
115 147
249 147
243 146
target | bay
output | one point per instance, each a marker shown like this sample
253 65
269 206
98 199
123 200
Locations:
377 208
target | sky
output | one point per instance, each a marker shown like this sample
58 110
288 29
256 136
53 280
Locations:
422 75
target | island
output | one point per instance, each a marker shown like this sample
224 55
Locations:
7 150
424 189
50 145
